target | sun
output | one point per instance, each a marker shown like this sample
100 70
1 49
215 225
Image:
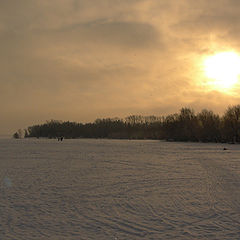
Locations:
222 70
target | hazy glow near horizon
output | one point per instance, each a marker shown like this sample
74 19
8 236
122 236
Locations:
222 70
79 60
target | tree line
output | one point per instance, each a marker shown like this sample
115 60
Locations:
204 126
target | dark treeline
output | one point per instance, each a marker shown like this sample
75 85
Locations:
186 125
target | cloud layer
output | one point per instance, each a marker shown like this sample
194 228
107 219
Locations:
79 60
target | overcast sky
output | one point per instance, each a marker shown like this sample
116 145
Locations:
79 60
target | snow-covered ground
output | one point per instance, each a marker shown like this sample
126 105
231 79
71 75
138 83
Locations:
118 189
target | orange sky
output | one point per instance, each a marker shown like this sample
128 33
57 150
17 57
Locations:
79 60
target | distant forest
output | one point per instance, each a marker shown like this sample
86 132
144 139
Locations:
205 126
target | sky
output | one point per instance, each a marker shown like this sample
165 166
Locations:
79 60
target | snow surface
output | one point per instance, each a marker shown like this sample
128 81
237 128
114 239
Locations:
118 189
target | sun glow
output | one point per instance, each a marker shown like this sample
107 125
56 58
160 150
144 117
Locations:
222 70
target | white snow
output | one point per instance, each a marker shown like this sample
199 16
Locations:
118 189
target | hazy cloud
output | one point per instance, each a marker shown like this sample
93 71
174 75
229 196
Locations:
79 60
